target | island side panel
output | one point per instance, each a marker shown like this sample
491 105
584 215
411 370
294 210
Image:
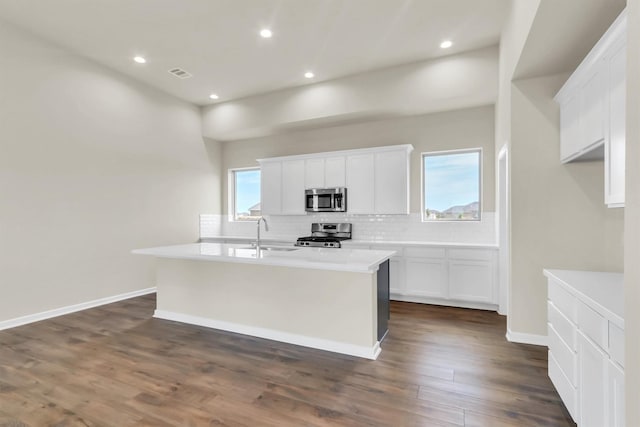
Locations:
383 300
319 304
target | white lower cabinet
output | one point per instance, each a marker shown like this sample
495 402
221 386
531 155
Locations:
592 371
615 400
426 277
585 350
442 275
471 275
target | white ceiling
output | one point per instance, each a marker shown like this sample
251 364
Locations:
217 40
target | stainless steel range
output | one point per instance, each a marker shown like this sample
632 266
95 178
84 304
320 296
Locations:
326 235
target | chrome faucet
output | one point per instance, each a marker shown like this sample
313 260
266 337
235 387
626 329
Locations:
266 228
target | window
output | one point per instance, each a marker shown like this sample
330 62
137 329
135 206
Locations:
451 182
244 194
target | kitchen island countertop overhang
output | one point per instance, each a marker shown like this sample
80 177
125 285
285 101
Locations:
329 299
353 260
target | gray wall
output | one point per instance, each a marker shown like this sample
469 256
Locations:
632 218
92 165
559 219
467 128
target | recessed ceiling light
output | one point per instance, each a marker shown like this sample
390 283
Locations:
266 33
139 59
446 44
214 96
309 75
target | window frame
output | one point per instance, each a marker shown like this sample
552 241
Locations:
423 155
232 192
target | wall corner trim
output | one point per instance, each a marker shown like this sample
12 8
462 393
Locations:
522 338
31 318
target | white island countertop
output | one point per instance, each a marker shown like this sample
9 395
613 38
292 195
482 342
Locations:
604 292
352 260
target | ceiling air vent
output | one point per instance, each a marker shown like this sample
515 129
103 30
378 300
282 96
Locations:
180 73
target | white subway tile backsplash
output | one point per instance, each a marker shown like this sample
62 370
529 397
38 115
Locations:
365 227
210 225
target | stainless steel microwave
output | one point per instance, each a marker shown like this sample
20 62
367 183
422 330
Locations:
326 199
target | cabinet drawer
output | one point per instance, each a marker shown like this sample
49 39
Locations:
563 300
563 326
616 344
565 356
565 389
471 254
424 252
593 326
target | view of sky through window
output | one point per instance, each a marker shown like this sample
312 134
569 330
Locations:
247 197
452 186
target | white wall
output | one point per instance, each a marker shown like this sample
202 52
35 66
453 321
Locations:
632 218
92 165
453 82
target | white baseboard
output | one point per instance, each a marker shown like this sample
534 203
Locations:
275 335
447 303
23 320
523 338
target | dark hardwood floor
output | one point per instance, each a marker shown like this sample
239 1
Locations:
117 366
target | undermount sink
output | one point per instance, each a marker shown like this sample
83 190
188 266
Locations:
273 248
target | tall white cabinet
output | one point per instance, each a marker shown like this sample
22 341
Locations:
377 180
592 110
586 344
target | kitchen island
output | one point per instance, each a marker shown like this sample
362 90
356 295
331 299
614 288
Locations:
329 299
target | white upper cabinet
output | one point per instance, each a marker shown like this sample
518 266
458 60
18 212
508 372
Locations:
569 127
360 178
592 110
616 62
271 188
334 172
314 173
391 182
293 174
324 172
377 180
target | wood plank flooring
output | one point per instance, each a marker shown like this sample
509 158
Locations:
117 366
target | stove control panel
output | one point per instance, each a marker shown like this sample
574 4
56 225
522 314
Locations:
318 244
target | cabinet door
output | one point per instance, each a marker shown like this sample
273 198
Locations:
293 187
426 277
592 112
334 172
314 173
569 128
359 175
615 400
471 280
615 143
271 188
396 283
391 182
396 269
592 372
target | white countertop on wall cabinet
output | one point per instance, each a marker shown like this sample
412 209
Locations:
356 242
420 243
604 292
350 260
